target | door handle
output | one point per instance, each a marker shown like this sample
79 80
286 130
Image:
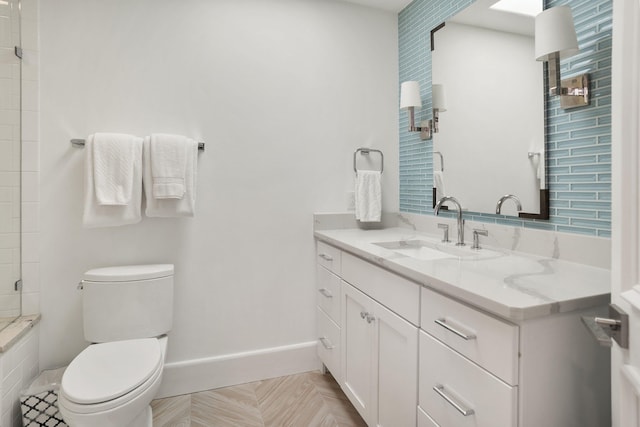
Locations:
615 327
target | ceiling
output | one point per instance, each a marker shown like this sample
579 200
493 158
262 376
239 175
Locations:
390 5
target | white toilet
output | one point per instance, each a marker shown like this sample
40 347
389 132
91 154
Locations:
126 312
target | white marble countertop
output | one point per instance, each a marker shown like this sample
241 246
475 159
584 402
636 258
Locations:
512 285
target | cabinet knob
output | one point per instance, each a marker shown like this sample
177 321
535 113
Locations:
363 314
370 318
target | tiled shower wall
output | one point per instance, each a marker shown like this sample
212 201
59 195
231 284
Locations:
578 141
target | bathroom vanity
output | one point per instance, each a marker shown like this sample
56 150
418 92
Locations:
422 333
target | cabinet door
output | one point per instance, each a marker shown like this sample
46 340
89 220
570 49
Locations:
396 366
357 351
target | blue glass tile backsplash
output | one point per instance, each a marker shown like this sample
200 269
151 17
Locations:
578 141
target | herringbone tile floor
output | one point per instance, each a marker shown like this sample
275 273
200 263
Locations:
304 400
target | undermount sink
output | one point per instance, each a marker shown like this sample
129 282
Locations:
431 251
419 249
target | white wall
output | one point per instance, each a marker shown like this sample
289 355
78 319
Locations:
281 91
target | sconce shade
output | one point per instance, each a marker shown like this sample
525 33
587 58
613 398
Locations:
437 96
410 94
555 32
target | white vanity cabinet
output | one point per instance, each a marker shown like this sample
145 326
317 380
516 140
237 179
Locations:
446 355
482 371
368 335
379 359
380 313
468 365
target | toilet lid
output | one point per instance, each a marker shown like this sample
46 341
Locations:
106 371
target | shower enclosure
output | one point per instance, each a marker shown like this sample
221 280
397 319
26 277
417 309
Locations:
10 161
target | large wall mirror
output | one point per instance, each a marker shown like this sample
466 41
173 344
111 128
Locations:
490 140
10 162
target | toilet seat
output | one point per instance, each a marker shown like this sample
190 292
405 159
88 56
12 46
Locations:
103 376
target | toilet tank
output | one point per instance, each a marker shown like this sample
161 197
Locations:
127 302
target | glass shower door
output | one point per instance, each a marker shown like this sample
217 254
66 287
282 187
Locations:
10 161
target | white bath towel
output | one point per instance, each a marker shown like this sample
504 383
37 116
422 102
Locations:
168 164
171 207
99 215
368 196
438 183
113 167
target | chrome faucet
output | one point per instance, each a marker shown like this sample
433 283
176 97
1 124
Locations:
436 210
506 197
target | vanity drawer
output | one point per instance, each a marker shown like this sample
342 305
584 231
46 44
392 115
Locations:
328 286
491 343
329 343
329 256
451 385
425 420
400 295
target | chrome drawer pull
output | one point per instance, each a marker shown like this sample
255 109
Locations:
326 343
439 388
442 322
325 257
325 292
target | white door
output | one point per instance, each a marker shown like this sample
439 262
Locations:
357 351
625 292
395 365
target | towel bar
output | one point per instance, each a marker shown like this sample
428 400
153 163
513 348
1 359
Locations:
367 151
81 142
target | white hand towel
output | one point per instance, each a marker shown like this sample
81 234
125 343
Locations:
368 196
168 165
98 215
540 170
113 167
438 183
167 207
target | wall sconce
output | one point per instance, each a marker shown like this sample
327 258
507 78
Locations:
555 39
439 104
410 99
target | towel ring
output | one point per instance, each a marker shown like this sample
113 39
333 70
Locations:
366 151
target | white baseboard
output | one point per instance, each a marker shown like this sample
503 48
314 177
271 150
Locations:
221 371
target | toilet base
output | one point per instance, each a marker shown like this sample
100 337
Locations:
145 419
